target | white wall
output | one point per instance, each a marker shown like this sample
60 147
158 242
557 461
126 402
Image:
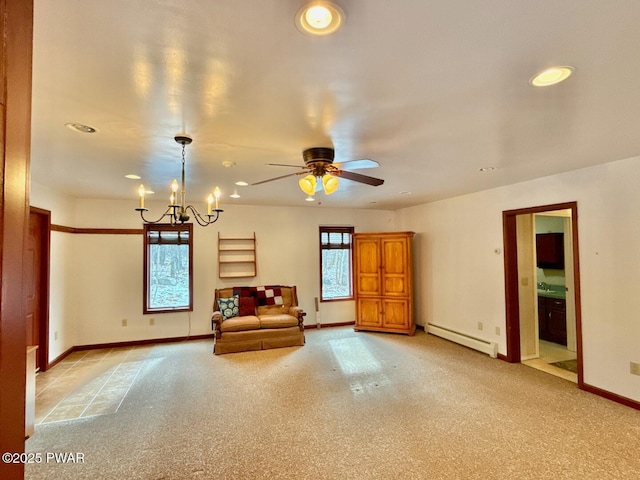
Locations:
96 280
460 280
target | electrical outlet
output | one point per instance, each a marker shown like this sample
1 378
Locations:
480 326
124 322
152 321
634 368
524 281
498 331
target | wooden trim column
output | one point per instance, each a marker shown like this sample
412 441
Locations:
16 34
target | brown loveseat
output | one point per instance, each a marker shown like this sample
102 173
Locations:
266 317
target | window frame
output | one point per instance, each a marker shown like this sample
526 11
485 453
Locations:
337 229
184 227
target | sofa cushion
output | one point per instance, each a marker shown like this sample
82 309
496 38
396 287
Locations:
229 307
247 306
240 324
277 321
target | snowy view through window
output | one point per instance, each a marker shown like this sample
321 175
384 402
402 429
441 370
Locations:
169 276
335 247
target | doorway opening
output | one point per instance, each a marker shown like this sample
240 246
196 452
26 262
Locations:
542 289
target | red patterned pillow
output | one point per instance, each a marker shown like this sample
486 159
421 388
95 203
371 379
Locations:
247 306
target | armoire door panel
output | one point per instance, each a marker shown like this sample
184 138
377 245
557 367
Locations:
396 314
369 312
368 257
395 286
395 255
368 285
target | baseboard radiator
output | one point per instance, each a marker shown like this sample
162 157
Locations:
484 346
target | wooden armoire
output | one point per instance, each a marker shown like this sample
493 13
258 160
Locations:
383 282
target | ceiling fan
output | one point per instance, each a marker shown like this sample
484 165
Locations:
318 163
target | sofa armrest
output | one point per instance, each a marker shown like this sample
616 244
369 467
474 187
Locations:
299 313
216 323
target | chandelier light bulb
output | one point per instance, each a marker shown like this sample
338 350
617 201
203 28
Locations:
209 204
141 192
216 193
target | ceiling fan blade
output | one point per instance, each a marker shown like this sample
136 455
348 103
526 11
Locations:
285 165
358 177
277 178
358 164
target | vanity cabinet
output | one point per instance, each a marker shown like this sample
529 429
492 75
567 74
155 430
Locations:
552 320
383 282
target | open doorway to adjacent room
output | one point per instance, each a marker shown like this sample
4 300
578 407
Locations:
542 289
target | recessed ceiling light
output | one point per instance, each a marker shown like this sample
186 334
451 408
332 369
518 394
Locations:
405 193
242 183
319 18
228 163
309 199
80 128
486 169
235 194
551 76
149 192
131 176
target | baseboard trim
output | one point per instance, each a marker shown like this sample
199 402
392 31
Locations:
133 343
60 357
610 396
329 325
136 343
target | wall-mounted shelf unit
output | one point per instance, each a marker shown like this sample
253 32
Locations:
237 256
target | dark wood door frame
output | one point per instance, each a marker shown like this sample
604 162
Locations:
45 243
511 279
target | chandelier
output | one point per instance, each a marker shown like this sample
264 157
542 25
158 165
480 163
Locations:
179 212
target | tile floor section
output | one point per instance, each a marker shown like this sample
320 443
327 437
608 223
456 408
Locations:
86 383
551 353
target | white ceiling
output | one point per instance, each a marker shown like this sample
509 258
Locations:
432 90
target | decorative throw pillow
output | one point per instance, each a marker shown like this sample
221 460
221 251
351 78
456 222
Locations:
247 306
228 307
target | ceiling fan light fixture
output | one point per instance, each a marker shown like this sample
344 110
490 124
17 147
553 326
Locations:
551 76
308 184
329 183
319 18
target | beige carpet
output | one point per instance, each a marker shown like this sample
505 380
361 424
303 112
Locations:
345 406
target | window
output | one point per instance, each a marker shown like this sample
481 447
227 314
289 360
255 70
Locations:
335 263
168 268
